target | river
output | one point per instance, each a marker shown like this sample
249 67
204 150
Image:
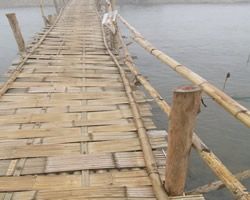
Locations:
210 39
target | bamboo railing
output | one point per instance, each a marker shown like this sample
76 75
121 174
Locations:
227 179
232 106
149 159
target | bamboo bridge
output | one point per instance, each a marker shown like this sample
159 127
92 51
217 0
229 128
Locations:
74 124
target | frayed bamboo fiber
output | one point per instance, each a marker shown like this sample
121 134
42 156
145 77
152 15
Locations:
233 107
149 159
233 185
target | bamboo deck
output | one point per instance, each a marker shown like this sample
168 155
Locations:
67 129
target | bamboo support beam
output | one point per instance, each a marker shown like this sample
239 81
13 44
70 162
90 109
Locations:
232 106
230 181
185 108
149 159
16 31
234 186
218 184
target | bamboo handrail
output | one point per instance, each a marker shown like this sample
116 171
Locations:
232 106
233 185
149 159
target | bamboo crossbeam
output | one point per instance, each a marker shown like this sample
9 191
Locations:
234 186
149 159
218 184
232 106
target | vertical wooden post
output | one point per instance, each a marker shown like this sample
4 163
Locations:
56 6
45 20
51 19
16 31
112 4
185 108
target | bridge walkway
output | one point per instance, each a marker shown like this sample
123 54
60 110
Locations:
67 130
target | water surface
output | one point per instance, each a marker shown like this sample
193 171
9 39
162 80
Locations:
212 40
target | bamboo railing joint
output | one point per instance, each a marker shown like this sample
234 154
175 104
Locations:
180 65
241 111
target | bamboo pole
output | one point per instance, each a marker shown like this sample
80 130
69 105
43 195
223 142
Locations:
185 108
45 20
149 159
232 106
16 31
232 184
217 184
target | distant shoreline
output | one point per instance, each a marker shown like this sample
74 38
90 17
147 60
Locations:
183 1
35 3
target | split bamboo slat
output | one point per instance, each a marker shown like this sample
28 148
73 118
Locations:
72 127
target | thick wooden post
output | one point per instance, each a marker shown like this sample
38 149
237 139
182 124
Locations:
16 31
185 108
51 19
